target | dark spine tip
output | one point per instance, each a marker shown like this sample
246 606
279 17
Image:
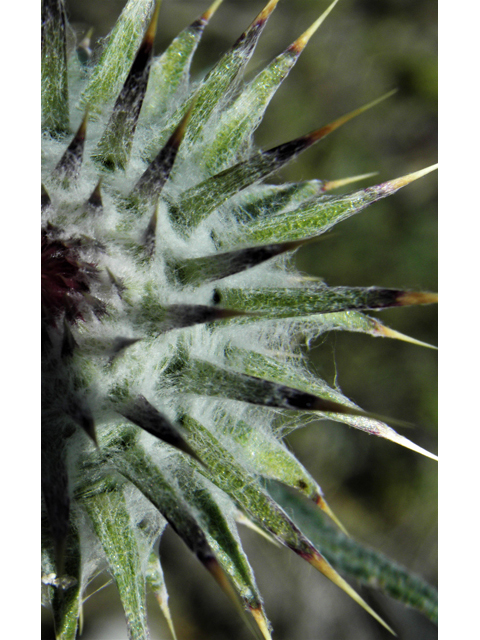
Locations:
177 136
88 425
82 416
377 298
285 152
95 203
198 25
97 306
70 163
181 316
82 129
117 282
143 414
149 235
46 201
157 173
222 265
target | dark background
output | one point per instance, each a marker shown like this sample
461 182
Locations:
386 496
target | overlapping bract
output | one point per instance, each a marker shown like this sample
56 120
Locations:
144 345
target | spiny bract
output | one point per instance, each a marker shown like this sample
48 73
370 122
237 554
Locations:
173 321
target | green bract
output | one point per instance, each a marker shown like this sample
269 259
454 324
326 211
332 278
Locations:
173 321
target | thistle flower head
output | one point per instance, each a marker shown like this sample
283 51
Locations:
172 318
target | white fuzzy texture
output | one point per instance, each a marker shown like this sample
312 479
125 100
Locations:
99 378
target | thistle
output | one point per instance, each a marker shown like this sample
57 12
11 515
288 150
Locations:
173 321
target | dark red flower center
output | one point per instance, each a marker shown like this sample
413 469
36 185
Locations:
65 280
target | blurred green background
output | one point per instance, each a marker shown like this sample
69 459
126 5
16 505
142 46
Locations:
385 496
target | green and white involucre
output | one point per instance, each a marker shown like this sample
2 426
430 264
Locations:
174 323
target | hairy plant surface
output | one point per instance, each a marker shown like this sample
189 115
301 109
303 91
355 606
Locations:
174 323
